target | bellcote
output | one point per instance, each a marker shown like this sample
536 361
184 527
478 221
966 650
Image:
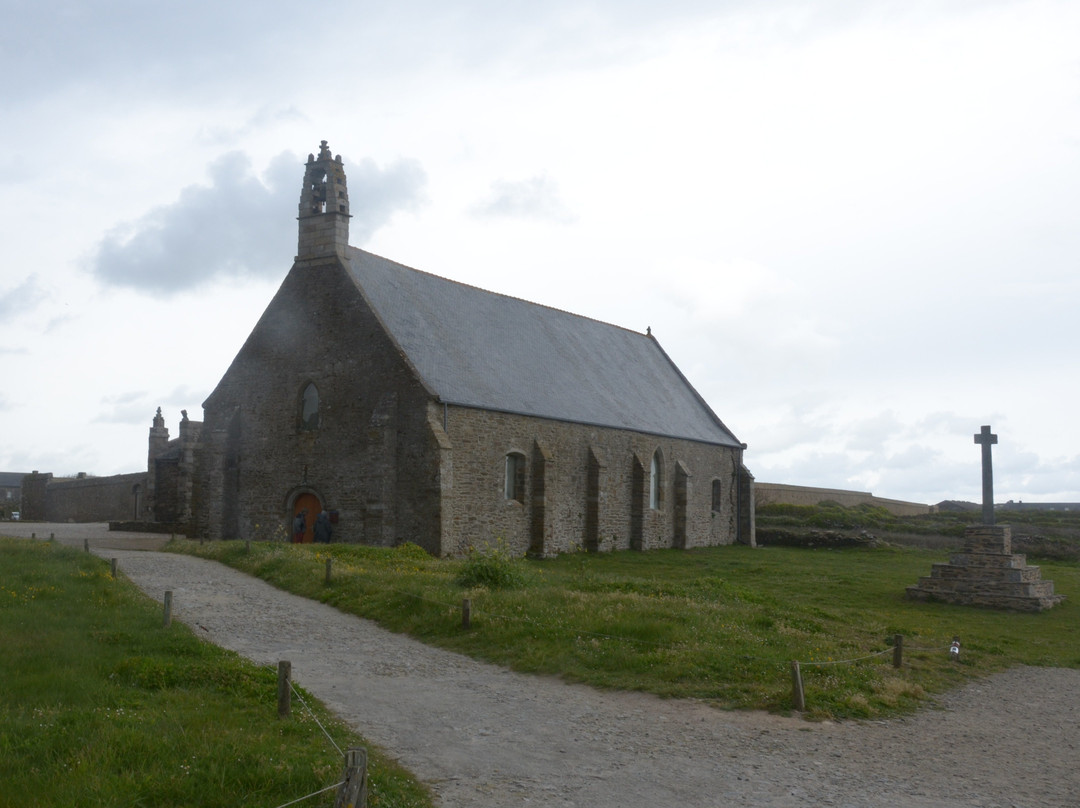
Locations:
324 208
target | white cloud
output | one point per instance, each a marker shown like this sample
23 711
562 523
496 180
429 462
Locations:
126 408
210 231
534 198
220 230
21 299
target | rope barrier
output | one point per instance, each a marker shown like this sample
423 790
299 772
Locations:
653 644
315 794
650 643
529 620
316 719
311 712
846 661
617 638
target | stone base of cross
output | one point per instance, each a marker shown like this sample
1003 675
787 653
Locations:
986 572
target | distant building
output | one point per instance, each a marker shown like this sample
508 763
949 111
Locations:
10 493
1038 506
957 505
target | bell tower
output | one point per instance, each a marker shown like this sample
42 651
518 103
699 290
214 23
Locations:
324 208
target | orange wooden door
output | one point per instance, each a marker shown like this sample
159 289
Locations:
311 504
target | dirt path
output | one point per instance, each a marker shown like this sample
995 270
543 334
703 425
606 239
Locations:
489 738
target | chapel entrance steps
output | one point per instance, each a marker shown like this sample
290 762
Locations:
986 573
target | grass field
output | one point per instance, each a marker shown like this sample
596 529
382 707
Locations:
720 624
101 705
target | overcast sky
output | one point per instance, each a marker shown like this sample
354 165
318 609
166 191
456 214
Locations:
853 224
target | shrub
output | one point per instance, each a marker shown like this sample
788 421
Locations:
492 566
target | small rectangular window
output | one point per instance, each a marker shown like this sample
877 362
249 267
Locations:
656 482
514 482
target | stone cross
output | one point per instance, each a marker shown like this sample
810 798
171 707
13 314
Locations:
987 440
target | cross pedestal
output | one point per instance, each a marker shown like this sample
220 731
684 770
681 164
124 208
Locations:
986 572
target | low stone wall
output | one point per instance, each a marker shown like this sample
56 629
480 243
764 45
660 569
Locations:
781 494
164 528
94 499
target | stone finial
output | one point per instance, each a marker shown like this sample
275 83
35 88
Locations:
159 420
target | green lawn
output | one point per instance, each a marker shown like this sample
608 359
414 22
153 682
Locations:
101 705
720 624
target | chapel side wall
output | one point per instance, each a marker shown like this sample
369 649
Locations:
373 446
480 513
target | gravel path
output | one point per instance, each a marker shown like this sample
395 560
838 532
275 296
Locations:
485 737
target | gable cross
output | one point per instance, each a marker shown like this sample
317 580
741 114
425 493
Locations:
987 439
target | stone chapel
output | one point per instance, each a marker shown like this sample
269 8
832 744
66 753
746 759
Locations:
413 408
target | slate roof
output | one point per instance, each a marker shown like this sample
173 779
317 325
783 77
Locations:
11 479
481 349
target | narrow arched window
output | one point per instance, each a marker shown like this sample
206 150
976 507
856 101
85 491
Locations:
717 499
309 407
656 481
514 480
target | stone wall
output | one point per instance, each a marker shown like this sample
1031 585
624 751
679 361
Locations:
372 459
83 499
10 493
585 487
776 493
34 497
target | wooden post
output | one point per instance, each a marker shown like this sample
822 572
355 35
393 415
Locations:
353 791
247 546
898 650
112 566
466 613
797 695
86 545
329 568
52 537
167 620
284 689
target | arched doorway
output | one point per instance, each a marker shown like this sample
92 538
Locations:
310 503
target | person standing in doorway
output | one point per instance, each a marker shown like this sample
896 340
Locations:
299 527
323 528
